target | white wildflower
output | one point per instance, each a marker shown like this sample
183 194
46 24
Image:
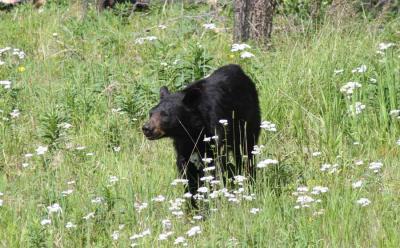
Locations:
207 160
266 162
179 181
177 213
164 236
70 225
197 217
357 108
239 178
363 202
210 26
210 168
159 198
302 189
375 166
28 155
67 192
202 190
383 46
357 184
193 231
41 150
113 179
223 122
45 222
15 113
349 88
88 216
360 69
117 148
115 235
167 224
140 206
254 210
316 154
161 26
6 84
180 240
246 55
239 47
140 41
269 126
65 125
187 195
24 165
207 139
319 189
207 178
359 162
215 137
98 200
338 71
304 199
394 112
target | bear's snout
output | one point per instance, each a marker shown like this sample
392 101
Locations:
152 129
147 130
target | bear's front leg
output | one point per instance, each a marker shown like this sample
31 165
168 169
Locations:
191 170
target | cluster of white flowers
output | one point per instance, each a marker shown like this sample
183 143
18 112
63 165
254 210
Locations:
349 88
269 126
140 206
14 51
210 26
375 166
257 149
363 202
360 69
55 208
329 168
141 41
303 200
242 47
179 181
223 122
140 235
357 108
194 231
384 46
264 163
6 84
159 198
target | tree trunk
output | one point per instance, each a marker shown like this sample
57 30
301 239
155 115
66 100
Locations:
253 20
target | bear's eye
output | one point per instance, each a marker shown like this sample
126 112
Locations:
163 113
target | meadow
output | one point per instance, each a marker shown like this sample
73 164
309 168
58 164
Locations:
76 170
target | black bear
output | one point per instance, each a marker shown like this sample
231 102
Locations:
224 104
104 4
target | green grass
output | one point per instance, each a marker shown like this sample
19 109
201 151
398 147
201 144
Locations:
94 65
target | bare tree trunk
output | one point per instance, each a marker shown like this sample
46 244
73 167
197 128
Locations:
253 20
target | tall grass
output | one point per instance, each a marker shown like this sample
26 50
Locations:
93 75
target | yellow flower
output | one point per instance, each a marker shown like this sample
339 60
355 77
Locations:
231 56
21 69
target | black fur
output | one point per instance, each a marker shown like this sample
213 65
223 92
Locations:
188 115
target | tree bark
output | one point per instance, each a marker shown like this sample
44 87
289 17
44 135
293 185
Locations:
253 20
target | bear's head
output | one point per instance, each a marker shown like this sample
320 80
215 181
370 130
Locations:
169 117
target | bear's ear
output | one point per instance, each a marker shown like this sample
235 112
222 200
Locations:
164 92
192 96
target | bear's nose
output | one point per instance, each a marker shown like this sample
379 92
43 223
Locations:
147 130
